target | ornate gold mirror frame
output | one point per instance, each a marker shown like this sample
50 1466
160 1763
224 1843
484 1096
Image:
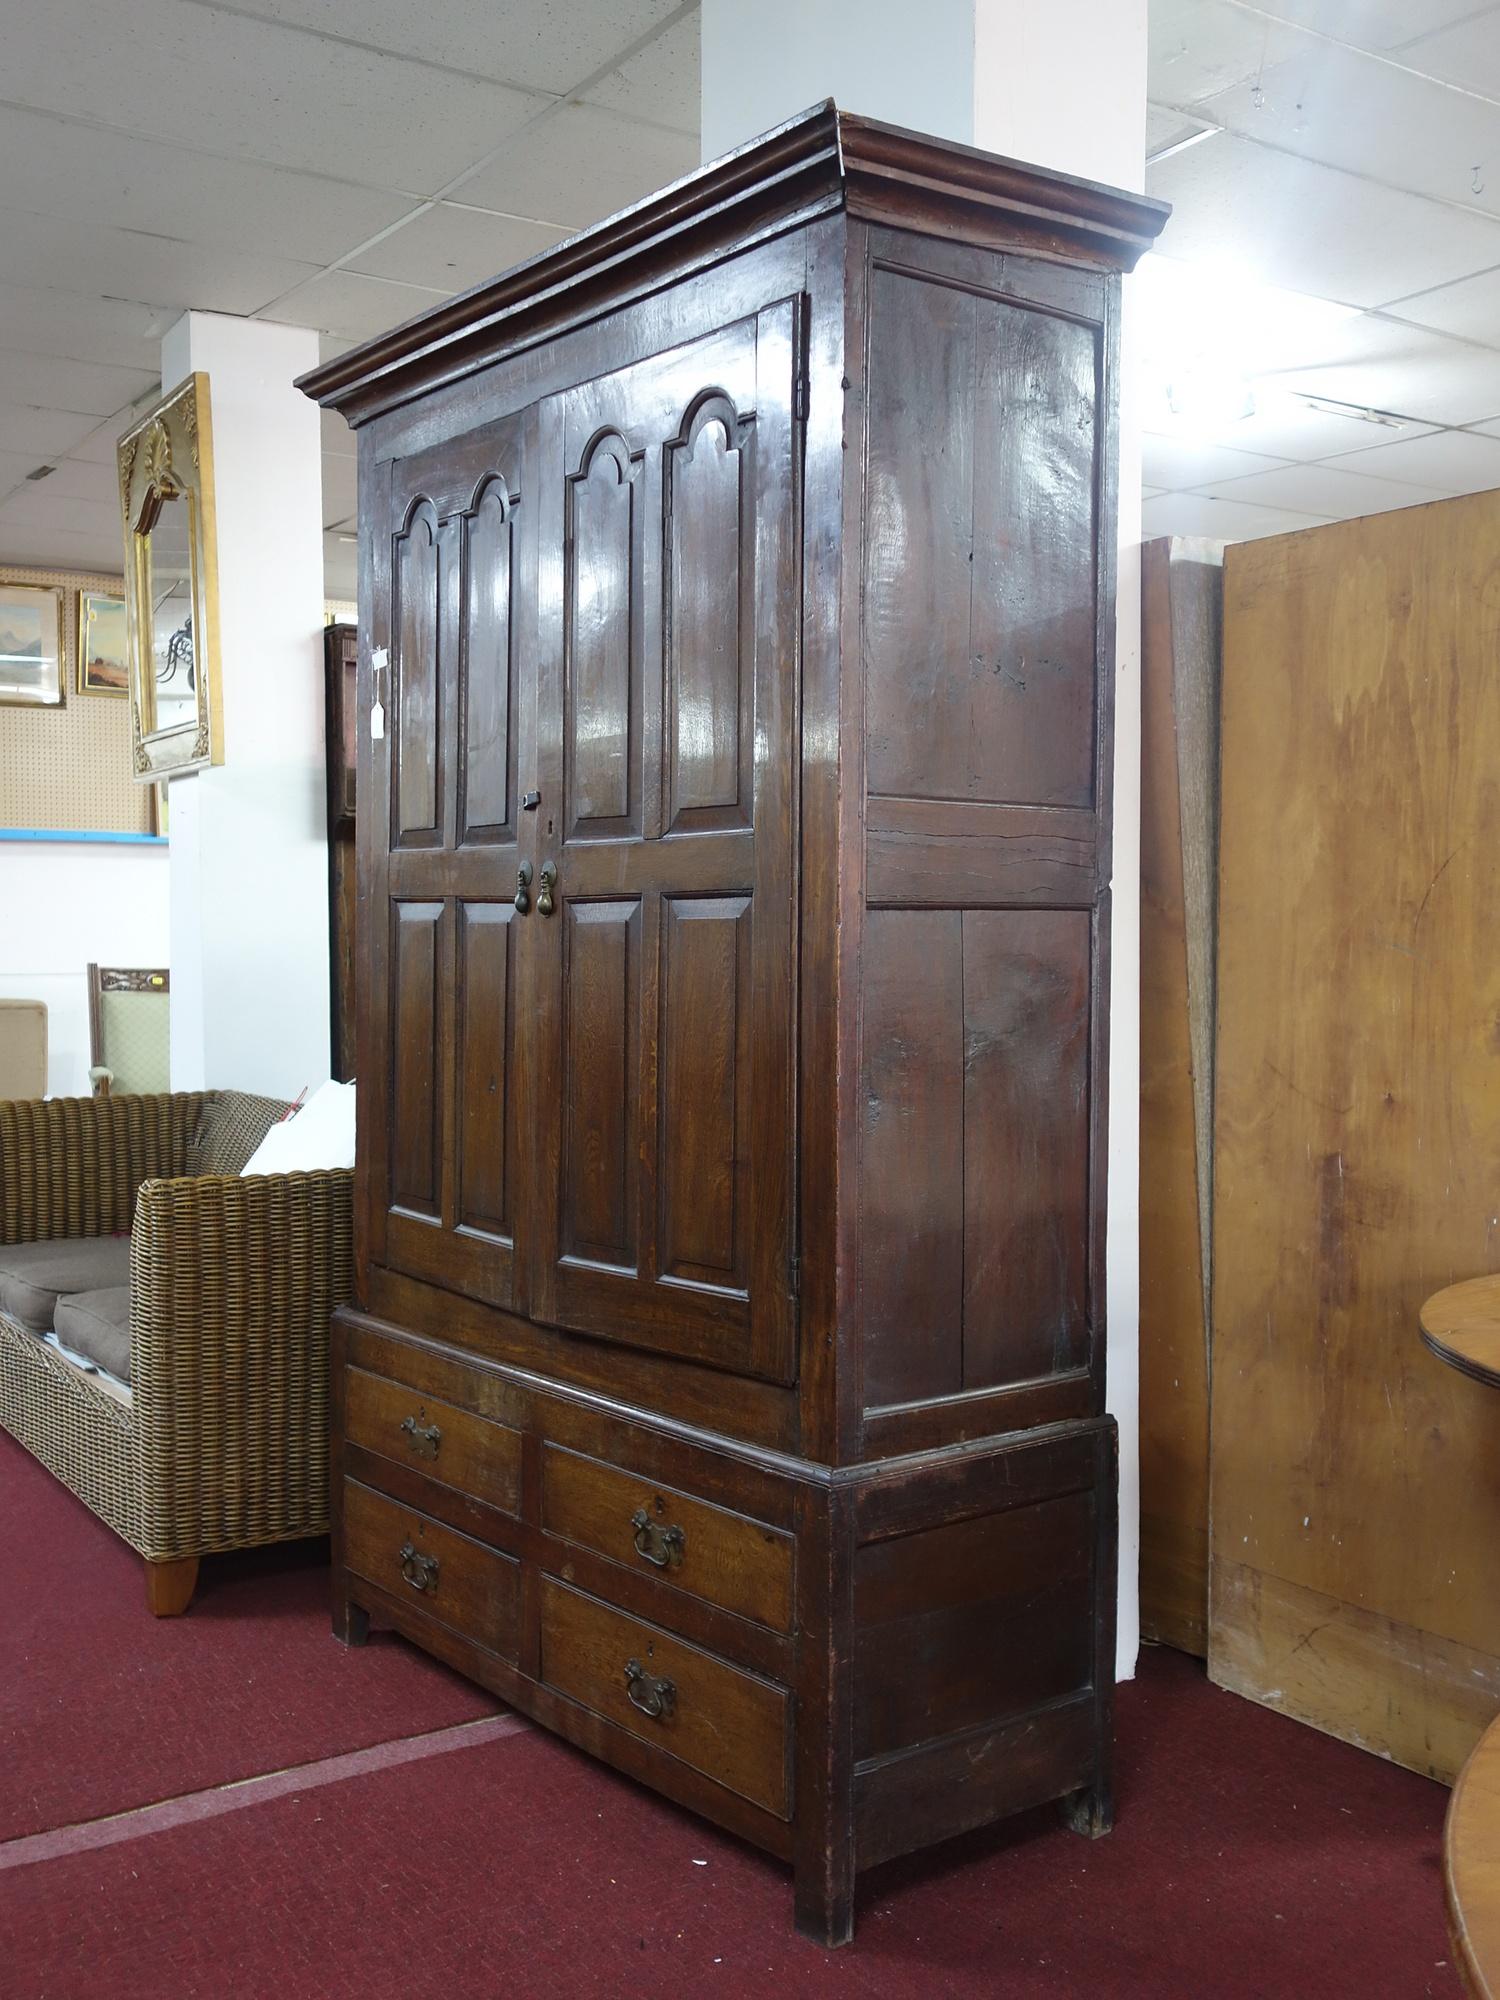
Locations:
171 586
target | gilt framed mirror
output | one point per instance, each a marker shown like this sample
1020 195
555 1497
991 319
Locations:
171 586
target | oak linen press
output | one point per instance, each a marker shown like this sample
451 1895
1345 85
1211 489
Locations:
725 1387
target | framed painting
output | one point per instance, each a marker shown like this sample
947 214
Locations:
31 644
103 661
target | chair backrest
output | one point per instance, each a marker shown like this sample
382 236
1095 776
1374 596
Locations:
128 1028
23 1049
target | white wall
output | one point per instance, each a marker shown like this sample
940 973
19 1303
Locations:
249 839
63 904
1061 83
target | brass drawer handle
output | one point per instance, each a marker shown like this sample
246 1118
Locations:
424 1439
523 888
544 903
652 1694
420 1571
661 1547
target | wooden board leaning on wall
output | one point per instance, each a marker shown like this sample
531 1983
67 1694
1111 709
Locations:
1356 1480
1180 653
68 767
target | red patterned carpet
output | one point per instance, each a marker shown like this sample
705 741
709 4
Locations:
1252 1857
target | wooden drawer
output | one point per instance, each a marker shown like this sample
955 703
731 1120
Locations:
460 1582
725 1558
726 1724
439 1439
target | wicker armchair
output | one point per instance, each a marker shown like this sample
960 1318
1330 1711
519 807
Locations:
223 1441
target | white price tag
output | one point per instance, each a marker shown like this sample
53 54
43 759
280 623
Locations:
377 721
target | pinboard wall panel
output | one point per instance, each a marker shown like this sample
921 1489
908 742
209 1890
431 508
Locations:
1355 1481
69 767
1180 665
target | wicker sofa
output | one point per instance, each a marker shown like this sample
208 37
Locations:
221 1440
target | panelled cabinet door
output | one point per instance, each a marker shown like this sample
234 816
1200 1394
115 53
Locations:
668 619
445 1173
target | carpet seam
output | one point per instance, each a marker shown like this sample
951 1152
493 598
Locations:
236 1794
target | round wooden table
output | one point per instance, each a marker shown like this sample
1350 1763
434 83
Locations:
1461 1324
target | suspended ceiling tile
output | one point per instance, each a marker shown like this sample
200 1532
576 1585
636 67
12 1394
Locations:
450 247
661 83
1311 228
1470 309
228 83
351 306
1387 365
1369 117
1198 47
98 448
582 162
22 542
550 45
82 327
36 508
47 250
1284 426
1219 520
1167 126
1369 24
1322 489
1466 53
83 174
39 434
1176 463
84 479
1450 461
14 467
83 387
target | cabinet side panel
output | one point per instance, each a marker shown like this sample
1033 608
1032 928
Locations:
986 588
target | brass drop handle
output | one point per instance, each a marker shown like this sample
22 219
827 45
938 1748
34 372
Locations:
652 1694
424 1439
420 1571
661 1547
544 903
523 887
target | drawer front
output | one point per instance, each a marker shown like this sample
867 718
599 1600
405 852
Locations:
449 1444
726 1724
727 1559
456 1580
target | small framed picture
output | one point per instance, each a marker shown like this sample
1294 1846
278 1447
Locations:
103 667
31 644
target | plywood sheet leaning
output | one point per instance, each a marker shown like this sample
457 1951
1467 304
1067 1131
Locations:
1356 1480
1180 657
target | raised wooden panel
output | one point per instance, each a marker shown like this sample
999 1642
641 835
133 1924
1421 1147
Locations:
417 716
703 1132
415 1054
601 1083
708 709
1025 1143
603 693
980 553
486 1047
972 1622
911 1162
487 758
974 1176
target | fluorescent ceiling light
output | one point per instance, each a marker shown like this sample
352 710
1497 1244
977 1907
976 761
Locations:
1207 333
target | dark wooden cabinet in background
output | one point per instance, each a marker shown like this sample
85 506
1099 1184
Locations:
726 1383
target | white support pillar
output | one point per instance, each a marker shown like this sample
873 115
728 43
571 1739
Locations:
1062 85
249 922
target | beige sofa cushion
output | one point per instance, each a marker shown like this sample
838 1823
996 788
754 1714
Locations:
32 1275
97 1326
